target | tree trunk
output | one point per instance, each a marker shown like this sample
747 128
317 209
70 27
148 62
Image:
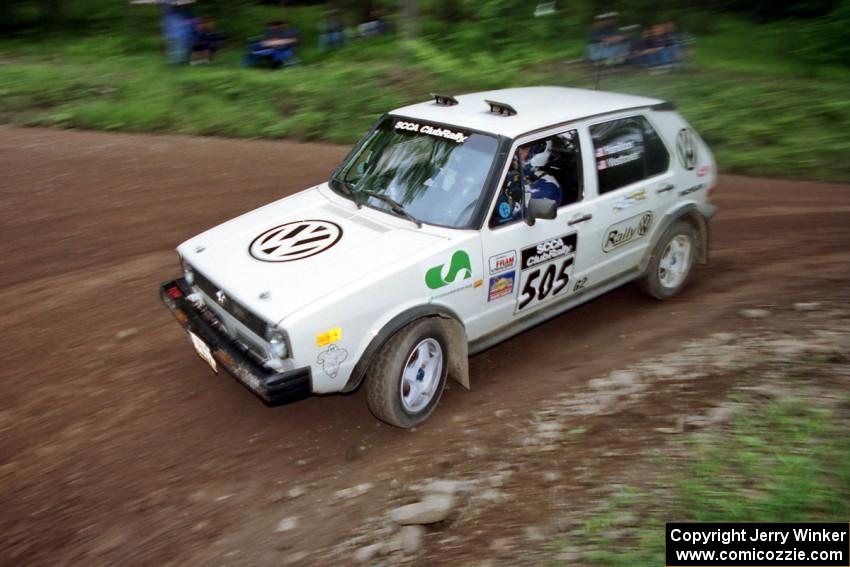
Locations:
51 14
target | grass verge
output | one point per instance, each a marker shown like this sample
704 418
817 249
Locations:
787 460
761 115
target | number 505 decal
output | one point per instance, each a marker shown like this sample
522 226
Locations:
546 269
548 284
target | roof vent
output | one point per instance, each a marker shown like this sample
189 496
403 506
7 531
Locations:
501 108
666 105
444 99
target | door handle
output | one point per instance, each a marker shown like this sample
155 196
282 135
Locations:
665 188
578 219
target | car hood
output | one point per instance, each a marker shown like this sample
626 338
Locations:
282 257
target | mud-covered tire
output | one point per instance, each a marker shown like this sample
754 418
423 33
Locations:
393 375
671 262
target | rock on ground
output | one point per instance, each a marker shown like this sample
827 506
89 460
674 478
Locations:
450 487
431 509
754 313
287 524
368 553
412 538
354 491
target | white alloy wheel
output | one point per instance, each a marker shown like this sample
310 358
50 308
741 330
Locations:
671 261
675 262
408 374
421 375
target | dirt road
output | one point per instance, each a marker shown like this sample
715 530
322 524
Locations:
117 445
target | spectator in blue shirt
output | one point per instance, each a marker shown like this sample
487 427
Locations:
606 43
332 31
206 41
278 44
177 33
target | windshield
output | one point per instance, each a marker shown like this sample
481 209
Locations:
436 174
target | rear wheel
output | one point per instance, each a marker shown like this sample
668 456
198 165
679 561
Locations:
408 375
670 265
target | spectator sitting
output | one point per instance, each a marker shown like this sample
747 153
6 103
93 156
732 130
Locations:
206 41
675 43
646 52
660 46
605 42
278 45
374 26
332 32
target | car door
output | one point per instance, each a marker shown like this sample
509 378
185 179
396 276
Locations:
530 266
633 181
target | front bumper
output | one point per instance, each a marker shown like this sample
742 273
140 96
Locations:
274 388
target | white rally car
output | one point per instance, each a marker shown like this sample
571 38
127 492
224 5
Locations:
451 226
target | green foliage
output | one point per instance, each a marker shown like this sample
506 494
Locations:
825 39
767 10
779 465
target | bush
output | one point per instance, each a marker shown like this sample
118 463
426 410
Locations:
825 39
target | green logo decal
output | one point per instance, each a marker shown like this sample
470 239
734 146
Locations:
460 262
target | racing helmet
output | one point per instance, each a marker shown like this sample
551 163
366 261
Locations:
540 154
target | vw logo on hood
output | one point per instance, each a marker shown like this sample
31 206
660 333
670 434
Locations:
295 240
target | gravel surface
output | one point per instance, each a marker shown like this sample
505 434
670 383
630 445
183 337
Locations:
117 445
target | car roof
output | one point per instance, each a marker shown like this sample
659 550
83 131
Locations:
536 108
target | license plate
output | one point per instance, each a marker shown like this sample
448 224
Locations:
203 351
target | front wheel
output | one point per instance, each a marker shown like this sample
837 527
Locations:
408 374
670 264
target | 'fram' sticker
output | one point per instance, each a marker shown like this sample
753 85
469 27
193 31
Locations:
502 262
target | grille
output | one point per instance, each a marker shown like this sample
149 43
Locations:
238 311
218 318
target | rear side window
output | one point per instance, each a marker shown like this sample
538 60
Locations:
627 150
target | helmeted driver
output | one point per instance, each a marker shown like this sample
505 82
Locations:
540 183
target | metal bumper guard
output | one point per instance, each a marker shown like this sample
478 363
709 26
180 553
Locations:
271 387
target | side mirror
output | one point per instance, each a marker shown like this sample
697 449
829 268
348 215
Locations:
541 209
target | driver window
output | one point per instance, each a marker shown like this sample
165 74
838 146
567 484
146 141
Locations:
548 168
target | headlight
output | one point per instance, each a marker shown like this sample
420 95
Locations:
277 341
188 274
